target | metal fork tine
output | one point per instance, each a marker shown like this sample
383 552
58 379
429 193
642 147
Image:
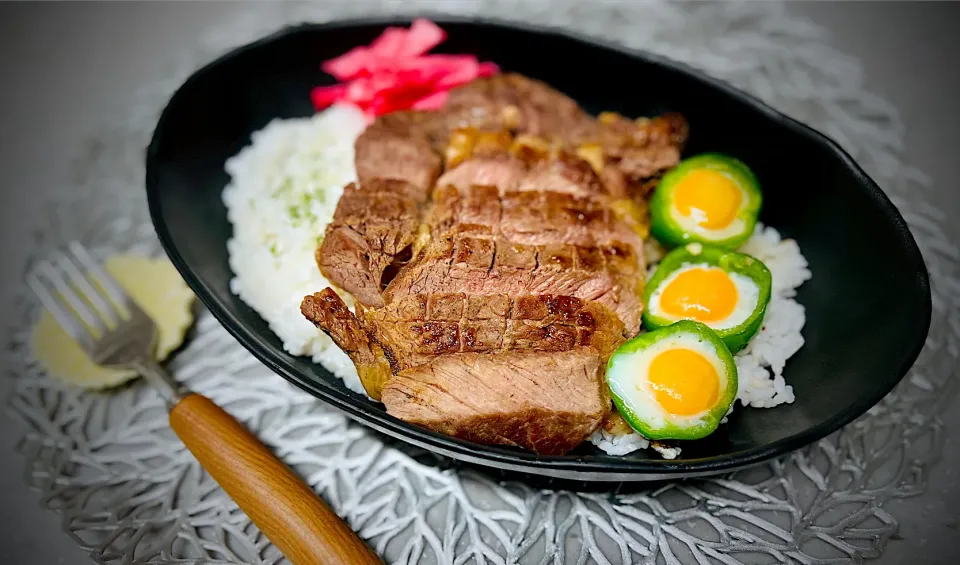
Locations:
130 343
65 318
95 297
71 298
110 285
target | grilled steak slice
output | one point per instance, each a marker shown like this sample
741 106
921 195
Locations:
543 218
398 146
487 267
545 402
532 217
504 173
424 326
327 310
564 174
376 220
415 330
515 102
630 153
532 243
636 151
372 233
493 105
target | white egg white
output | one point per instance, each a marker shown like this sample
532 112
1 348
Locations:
748 294
632 380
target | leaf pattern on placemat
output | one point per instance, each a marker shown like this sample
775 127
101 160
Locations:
129 493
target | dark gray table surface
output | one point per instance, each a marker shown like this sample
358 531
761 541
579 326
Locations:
66 66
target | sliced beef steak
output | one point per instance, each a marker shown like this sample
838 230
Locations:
424 326
376 220
406 148
626 153
372 233
635 152
515 102
567 175
502 172
327 310
415 330
486 267
490 296
545 402
397 146
528 243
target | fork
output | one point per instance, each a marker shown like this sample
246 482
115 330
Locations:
114 332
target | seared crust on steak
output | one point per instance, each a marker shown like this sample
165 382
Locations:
415 330
519 243
327 310
372 232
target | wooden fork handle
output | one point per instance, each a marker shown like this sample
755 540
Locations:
288 512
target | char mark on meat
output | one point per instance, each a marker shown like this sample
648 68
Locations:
422 326
370 237
419 327
328 312
485 243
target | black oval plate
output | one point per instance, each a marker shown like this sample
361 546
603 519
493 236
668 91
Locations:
868 304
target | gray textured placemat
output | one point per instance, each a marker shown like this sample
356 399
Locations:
130 493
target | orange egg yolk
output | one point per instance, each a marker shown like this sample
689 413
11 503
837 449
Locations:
701 294
684 382
709 197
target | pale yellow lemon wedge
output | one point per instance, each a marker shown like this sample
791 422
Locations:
156 286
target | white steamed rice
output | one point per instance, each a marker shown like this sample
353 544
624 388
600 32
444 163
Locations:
284 189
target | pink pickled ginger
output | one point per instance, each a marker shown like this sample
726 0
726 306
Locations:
395 72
